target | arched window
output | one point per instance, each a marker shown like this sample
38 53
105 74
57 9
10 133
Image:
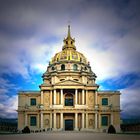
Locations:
62 67
68 99
53 68
75 67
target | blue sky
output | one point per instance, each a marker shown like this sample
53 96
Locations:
106 31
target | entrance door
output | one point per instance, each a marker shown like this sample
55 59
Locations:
68 125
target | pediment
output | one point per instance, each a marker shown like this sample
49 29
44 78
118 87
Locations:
69 82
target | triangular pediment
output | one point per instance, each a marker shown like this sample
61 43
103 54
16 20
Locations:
69 82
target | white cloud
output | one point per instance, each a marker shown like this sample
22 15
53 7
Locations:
33 32
130 101
8 107
109 41
97 30
8 104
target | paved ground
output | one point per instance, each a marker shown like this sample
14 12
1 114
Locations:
70 136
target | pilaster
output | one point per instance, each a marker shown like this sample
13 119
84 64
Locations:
76 122
83 96
54 121
96 121
62 97
75 96
54 97
61 119
41 125
83 121
26 119
50 120
86 120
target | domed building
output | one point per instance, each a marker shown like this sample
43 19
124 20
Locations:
69 98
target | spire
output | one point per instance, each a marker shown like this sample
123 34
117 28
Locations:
69 36
69 41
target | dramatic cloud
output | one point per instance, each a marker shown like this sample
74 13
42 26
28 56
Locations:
32 31
130 101
8 102
8 107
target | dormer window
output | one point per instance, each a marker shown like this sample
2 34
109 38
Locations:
76 79
75 67
53 68
62 67
62 79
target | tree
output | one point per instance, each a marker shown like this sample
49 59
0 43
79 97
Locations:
26 130
111 129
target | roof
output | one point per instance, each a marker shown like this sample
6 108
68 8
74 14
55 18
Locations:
108 92
29 92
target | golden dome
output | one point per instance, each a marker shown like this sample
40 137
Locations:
69 52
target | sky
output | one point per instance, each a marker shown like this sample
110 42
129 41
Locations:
107 32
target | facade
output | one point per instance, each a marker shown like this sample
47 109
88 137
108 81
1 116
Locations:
69 98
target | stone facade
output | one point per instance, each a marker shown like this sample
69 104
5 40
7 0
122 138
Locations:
69 98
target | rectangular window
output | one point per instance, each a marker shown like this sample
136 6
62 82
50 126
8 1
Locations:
104 120
68 102
33 101
33 121
104 101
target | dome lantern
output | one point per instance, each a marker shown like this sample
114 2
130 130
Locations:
69 52
69 41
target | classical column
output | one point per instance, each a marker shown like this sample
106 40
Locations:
75 96
28 101
61 96
54 97
99 123
54 120
86 120
96 113
61 117
96 98
96 121
76 122
38 120
83 120
50 97
42 97
41 116
50 120
112 118
83 96
26 118
86 97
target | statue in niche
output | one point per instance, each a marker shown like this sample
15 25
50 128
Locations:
91 99
91 122
47 99
47 121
